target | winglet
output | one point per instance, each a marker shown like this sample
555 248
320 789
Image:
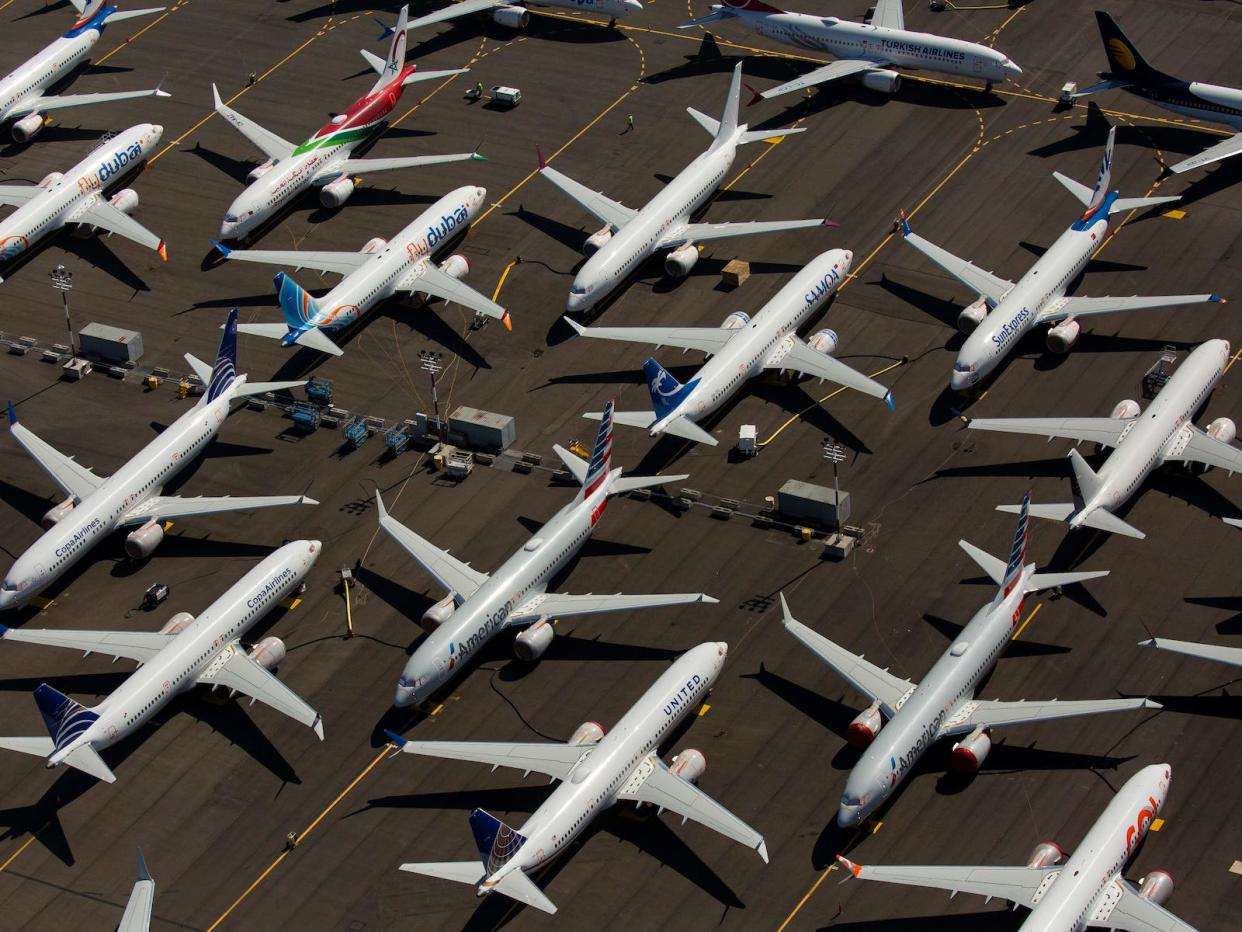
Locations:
787 615
829 222
543 163
905 225
507 321
317 726
3 631
395 738
1217 299
216 94
12 414
476 157
162 249
143 873
763 851
578 328
223 250
849 865
888 400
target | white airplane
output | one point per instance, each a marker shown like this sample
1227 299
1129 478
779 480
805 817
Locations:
740 349
1085 891
1143 441
22 97
131 497
77 196
1004 312
380 270
515 15
137 917
944 704
1229 655
868 51
596 771
185 653
630 236
324 161
479 606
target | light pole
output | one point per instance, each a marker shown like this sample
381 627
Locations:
430 361
835 453
62 281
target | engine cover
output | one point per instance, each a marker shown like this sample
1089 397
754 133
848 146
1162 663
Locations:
587 733
1062 336
260 170
972 315
374 245
177 623
596 241
1126 407
1046 854
27 128
690 765
268 653
735 321
1223 429
969 754
864 728
438 614
511 17
456 265
882 81
56 513
125 200
50 179
531 643
337 193
825 342
681 260
1156 886
142 542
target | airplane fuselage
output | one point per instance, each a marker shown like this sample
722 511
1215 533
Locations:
30 79
1212 103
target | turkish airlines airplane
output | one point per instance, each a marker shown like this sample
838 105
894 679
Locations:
596 771
1085 890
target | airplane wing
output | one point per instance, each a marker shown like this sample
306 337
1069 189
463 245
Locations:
166 507
888 15
1127 909
442 285
1209 451
453 11
876 684
241 673
1222 150
801 358
976 279
103 215
1016 884
66 101
567 606
451 573
370 166
1103 430
1090 307
136 645
340 262
15 195
266 141
666 790
707 339
994 714
604 209
552 760
137 917
1229 655
831 72
74 479
706 232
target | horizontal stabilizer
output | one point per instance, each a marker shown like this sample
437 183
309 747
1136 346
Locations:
470 872
640 419
1123 204
682 426
271 331
1097 518
708 123
377 64
316 339
1076 188
86 759
630 483
993 566
516 885
573 462
248 389
201 369
36 747
433 75
762 135
1041 581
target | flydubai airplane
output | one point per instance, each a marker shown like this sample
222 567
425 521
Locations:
22 97
324 161
945 704
185 653
629 237
137 917
1005 312
479 606
740 349
1229 655
867 51
516 15
596 771
131 497
1143 441
1211 103
78 196
1085 890
382 268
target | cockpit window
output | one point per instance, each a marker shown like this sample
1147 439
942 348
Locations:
848 800
577 289
963 367
231 218
407 682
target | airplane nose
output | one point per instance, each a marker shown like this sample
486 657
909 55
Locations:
633 5
7 600
404 697
157 129
1012 69
958 382
849 255
849 816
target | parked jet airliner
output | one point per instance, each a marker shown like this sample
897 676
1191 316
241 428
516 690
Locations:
515 15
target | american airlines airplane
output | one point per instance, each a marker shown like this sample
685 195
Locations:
868 51
131 497
1229 655
323 161
740 349
137 917
596 771
629 237
1085 890
479 606
1005 312
381 269
515 15
78 196
22 97
1143 441
185 653
944 704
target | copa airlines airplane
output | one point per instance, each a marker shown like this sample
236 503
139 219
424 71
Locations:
1085 891
22 97
1229 655
1143 441
630 236
868 51
323 161
185 653
382 269
944 704
77 196
596 771
740 349
131 497
515 15
479 606
1005 311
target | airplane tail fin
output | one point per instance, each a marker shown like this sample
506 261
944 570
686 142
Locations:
601 458
666 392
296 304
224 372
497 843
396 51
63 718
1017 552
1125 62
728 118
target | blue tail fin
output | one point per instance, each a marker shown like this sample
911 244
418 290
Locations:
299 308
1017 553
224 372
497 843
666 392
63 718
1105 177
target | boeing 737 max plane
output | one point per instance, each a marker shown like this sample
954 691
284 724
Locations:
515 15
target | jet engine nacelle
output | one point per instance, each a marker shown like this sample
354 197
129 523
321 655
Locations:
438 614
1156 886
968 754
735 321
825 341
972 315
587 733
531 643
337 193
268 653
457 266
56 512
178 623
511 17
1063 335
1046 854
1126 407
1223 429
680 261
374 245
882 81
125 200
50 179
690 765
27 128
864 728
595 242
260 170
142 542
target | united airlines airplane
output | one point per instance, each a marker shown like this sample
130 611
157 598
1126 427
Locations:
596 771
1085 890
185 653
